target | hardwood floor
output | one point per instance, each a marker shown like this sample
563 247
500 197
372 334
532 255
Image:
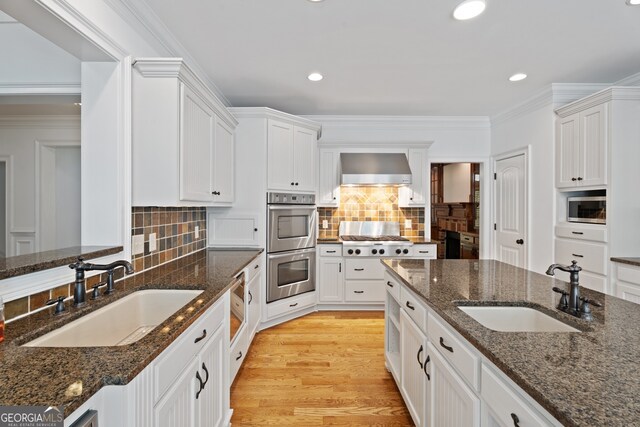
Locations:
326 368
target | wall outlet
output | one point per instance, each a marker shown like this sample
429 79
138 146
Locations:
407 223
153 243
196 232
325 224
137 244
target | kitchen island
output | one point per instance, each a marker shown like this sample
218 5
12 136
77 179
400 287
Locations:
585 378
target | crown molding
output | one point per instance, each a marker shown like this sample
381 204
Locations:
270 113
142 17
632 80
565 93
396 144
44 88
40 122
398 123
614 93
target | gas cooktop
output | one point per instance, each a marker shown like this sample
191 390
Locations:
352 238
373 239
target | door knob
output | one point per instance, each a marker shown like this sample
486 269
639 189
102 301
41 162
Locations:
520 242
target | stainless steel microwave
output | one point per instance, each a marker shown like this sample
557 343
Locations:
591 209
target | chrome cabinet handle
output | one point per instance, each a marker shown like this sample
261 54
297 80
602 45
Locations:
201 337
446 347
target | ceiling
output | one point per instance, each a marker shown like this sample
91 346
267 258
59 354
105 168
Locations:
402 57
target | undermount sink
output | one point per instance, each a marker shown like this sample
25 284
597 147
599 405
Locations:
515 319
122 322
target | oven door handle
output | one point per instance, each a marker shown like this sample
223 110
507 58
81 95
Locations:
309 208
293 253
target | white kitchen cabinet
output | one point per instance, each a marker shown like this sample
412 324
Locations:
254 302
414 195
581 148
450 401
627 282
413 381
182 139
328 178
291 157
330 279
178 407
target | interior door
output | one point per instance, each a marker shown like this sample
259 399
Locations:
511 245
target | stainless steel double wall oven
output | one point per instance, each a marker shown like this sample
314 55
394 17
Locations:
291 245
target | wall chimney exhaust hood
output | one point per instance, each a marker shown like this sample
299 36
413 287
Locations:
374 169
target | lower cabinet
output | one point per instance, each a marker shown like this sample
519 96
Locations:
413 377
330 279
627 282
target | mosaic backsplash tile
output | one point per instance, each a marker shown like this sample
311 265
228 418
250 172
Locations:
370 204
175 233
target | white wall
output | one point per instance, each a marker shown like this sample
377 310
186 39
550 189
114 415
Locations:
456 183
67 192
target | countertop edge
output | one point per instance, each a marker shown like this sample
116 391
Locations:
635 261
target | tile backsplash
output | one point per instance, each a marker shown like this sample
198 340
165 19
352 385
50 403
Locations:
175 230
370 204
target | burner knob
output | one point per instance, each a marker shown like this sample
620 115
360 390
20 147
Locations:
405 251
374 251
357 251
350 251
381 251
398 251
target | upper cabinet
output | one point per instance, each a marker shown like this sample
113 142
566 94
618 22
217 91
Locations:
413 195
183 138
291 153
329 178
581 148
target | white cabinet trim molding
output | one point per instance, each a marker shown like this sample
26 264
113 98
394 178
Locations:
44 88
398 123
269 113
606 95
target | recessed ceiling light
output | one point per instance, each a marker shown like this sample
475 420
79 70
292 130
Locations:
633 2
517 77
315 1
469 9
315 77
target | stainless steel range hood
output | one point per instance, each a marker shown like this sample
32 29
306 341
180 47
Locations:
374 169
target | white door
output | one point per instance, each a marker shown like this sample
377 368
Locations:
304 159
213 399
178 406
280 156
331 275
223 161
413 353
196 139
510 211
592 156
450 402
567 130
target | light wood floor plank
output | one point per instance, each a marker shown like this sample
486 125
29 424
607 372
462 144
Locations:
323 369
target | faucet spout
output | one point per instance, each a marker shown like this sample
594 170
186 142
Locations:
79 293
574 281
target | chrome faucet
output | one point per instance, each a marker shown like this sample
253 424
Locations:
79 293
572 305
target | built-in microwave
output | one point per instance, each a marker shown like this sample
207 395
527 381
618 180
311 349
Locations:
592 209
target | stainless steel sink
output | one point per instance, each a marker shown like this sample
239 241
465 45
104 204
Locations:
515 319
122 322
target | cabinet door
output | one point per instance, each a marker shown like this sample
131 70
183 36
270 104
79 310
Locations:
253 302
450 402
329 179
304 159
592 155
331 279
418 165
567 131
178 407
213 401
196 139
223 163
413 353
280 156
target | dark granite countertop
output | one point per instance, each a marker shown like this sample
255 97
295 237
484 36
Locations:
38 261
49 376
587 378
630 261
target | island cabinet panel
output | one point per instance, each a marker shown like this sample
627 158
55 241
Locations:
413 353
177 408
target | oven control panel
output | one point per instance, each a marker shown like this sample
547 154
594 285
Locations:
382 251
290 199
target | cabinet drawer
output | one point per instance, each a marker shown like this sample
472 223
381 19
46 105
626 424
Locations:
364 291
425 251
590 256
173 360
504 402
370 269
593 281
465 238
392 286
628 292
253 269
330 250
414 308
238 352
290 305
629 274
595 233
454 350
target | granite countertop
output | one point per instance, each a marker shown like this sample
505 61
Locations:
70 376
587 378
38 261
629 261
